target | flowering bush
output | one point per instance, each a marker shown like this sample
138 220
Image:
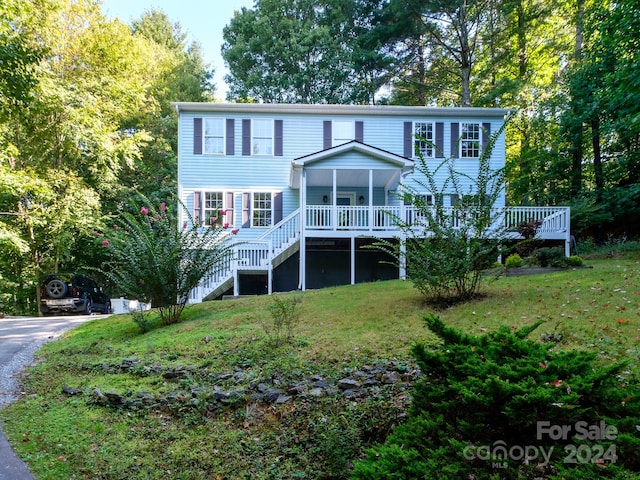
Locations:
154 261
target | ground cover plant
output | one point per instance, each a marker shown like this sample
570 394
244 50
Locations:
221 350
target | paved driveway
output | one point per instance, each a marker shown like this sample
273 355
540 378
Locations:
20 338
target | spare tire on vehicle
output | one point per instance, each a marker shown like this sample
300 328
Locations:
56 288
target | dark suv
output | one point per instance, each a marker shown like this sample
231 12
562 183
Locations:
72 293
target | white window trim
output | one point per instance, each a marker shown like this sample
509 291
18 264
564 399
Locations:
480 133
204 136
204 209
433 139
252 208
273 136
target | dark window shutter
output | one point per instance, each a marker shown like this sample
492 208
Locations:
197 208
277 207
439 139
231 139
455 133
359 132
197 136
246 137
408 139
229 218
246 212
326 134
486 135
277 127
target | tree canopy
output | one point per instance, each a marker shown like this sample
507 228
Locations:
85 120
297 51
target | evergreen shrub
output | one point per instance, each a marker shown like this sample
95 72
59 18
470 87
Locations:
500 406
551 257
513 261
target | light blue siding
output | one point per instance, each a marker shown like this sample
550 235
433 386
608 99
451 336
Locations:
302 136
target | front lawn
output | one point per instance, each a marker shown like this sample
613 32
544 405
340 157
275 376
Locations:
212 397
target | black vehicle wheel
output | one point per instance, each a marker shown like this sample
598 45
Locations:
89 308
56 288
107 308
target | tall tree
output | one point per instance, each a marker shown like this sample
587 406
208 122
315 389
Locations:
296 51
65 144
180 74
442 38
19 56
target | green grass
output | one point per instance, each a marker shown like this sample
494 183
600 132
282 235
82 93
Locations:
341 328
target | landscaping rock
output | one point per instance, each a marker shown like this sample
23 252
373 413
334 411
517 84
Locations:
206 389
71 391
348 384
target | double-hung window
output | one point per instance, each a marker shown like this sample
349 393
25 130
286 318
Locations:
213 204
262 137
262 209
214 136
470 140
423 139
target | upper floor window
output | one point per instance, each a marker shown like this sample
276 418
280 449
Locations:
262 137
214 136
262 209
343 132
423 139
470 140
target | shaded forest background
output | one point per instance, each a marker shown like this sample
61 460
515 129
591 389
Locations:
86 120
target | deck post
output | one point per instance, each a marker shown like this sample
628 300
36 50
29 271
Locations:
403 258
353 260
567 244
236 277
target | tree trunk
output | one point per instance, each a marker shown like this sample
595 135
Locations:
597 158
575 132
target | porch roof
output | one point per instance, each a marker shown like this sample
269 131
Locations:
388 167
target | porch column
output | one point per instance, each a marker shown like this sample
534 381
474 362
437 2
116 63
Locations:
270 271
567 242
236 278
370 214
303 237
353 260
334 207
403 258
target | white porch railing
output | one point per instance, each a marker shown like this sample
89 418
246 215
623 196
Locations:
323 220
554 221
256 255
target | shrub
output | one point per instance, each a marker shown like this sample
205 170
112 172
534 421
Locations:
154 261
513 261
285 315
551 257
529 229
574 261
484 399
446 249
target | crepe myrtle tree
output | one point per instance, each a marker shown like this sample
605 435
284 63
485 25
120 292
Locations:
447 249
157 261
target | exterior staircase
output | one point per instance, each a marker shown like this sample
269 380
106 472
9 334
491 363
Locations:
261 255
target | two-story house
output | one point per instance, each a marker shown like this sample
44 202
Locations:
306 187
